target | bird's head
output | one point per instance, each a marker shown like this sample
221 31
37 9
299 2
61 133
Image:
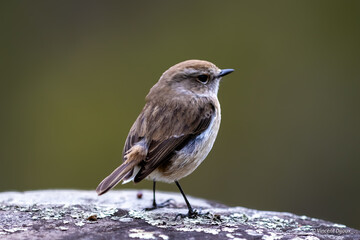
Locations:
191 77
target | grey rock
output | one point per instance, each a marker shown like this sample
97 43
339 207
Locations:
74 214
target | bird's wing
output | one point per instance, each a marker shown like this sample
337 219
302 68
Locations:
168 128
159 131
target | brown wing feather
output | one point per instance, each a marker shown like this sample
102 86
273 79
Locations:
163 128
160 151
132 138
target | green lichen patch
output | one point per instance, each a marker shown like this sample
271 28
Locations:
16 218
120 215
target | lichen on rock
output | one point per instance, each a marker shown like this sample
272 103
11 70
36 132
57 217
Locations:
74 214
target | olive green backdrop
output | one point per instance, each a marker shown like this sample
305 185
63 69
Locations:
74 75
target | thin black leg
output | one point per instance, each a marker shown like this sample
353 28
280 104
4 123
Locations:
191 213
154 200
167 203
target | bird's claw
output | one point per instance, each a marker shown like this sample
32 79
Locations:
191 214
167 203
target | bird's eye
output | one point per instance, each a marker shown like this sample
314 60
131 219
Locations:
203 78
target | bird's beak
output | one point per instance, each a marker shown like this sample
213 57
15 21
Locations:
224 72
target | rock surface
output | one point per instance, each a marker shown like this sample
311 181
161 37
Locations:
73 214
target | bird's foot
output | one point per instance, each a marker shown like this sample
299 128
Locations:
168 203
191 214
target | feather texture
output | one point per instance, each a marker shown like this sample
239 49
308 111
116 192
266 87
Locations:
176 129
149 147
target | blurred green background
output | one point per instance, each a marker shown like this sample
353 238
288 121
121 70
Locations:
74 75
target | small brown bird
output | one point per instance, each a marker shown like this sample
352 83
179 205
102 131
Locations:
176 129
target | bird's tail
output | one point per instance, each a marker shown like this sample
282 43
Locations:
133 157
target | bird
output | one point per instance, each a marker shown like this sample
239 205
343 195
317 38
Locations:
175 130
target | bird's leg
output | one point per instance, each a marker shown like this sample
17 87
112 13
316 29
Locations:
192 213
161 205
154 199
